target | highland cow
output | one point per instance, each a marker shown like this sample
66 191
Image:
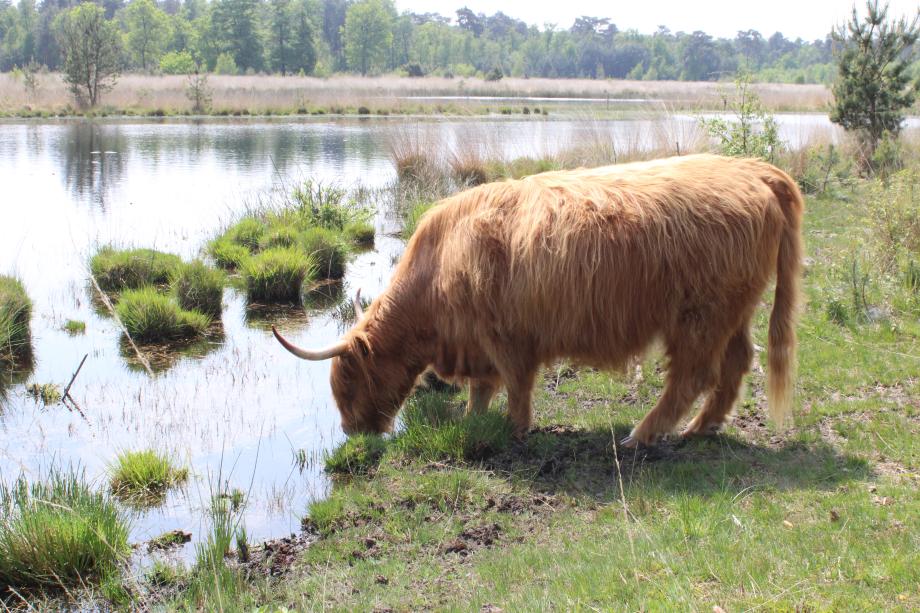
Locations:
591 265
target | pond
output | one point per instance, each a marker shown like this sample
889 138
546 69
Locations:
237 410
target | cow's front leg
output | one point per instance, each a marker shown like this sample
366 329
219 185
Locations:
481 394
520 411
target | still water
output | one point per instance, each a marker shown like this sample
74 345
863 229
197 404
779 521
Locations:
236 409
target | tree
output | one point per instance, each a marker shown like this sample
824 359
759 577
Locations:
147 28
92 51
368 34
236 22
873 87
303 49
280 37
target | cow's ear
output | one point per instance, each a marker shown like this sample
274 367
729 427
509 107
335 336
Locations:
363 346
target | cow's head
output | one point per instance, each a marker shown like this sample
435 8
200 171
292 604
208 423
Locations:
370 380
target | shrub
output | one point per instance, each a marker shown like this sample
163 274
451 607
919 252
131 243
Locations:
15 315
116 270
327 250
177 62
225 64
494 75
227 254
894 216
150 316
144 476
58 533
198 287
277 274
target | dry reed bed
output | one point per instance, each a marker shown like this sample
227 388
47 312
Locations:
263 93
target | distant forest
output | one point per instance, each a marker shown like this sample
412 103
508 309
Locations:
322 37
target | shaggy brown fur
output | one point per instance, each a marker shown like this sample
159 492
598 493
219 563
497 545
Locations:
591 265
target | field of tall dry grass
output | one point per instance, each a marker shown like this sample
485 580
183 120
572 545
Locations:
342 94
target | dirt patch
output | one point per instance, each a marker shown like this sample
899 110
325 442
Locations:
472 539
276 557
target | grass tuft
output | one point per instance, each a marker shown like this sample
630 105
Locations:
277 274
15 314
227 254
144 476
327 250
150 316
116 270
360 233
47 393
74 326
59 533
358 455
198 287
413 217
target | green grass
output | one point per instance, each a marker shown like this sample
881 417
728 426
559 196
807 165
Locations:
150 316
359 454
116 270
413 217
74 326
227 254
360 233
144 477
47 393
328 251
15 316
59 533
198 287
278 274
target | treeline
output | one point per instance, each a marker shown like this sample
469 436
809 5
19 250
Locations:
322 37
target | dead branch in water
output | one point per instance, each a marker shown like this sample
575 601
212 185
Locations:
111 309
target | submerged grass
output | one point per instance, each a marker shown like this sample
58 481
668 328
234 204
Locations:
116 270
59 533
15 316
144 476
150 316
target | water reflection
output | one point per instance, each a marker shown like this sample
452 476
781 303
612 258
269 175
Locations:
93 160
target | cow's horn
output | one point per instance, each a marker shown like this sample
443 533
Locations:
359 310
322 354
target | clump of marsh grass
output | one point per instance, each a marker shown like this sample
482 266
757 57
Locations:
47 393
198 287
144 476
360 233
277 274
413 217
15 315
116 270
150 316
327 250
74 326
58 533
227 254
412 151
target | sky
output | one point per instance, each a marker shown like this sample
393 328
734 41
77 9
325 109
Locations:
808 19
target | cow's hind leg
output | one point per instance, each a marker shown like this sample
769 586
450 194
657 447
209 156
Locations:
692 370
736 362
481 393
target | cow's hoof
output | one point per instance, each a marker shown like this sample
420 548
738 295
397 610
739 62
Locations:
693 430
521 434
631 442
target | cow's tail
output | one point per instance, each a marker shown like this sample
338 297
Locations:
782 339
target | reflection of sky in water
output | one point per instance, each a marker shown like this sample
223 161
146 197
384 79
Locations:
240 406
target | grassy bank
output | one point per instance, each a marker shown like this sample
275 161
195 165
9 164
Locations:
15 327
260 95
